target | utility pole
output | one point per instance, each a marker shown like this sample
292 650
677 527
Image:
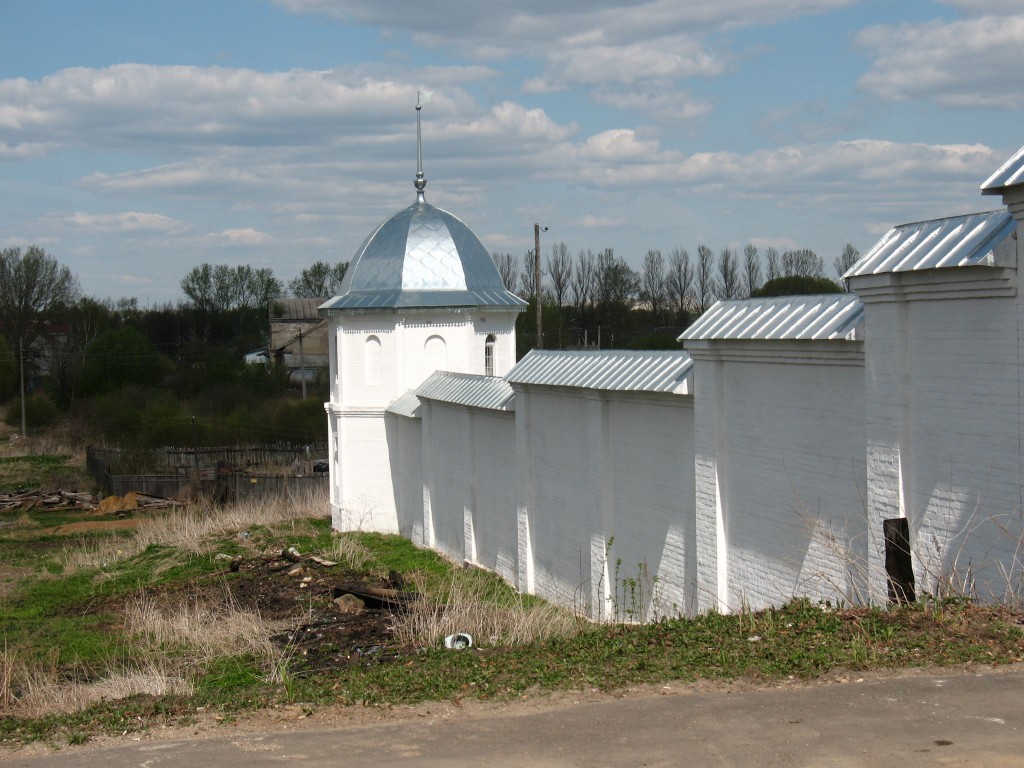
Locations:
21 363
302 366
536 279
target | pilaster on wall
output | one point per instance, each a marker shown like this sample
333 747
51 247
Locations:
526 502
712 587
600 475
887 422
428 477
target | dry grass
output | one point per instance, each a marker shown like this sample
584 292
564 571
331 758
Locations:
471 609
346 550
192 528
42 692
205 630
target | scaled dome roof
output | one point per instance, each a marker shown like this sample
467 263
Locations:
422 257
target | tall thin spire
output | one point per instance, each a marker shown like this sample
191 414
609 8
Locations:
421 180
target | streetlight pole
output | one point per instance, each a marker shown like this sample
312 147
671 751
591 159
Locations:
537 286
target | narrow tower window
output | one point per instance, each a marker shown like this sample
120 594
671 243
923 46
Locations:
489 355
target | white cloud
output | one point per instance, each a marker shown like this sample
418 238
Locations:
985 7
970 63
594 44
129 221
667 106
618 159
245 236
537 22
591 221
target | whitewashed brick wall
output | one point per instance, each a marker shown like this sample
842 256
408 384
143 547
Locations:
781 471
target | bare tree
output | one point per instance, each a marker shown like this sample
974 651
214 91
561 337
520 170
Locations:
560 271
506 264
802 263
704 279
844 261
774 269
729 286
583 280
320 279
679 282
751 269
528 277
653 282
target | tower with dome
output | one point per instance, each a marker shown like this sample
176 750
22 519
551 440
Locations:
421 294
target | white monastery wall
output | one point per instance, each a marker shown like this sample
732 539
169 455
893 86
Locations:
405 438
781 489
562 508
493 521
944 423
606 487
630 485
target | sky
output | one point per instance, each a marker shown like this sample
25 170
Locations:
141 139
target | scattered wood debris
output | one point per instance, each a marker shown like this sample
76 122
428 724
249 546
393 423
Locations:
25 501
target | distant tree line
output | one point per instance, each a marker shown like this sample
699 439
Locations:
131 373
599 300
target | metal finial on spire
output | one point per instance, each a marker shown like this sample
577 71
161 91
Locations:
421 181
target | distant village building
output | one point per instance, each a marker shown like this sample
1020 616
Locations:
851 448
298 336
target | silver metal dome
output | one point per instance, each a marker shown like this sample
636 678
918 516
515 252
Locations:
422 257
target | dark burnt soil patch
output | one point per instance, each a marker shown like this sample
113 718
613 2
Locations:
319 636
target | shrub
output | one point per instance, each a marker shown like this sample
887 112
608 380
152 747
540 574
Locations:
40 411
796 285
120 358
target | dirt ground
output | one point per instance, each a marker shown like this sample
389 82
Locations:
301 593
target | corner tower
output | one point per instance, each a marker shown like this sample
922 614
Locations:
421 294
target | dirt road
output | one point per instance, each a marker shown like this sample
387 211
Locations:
961 718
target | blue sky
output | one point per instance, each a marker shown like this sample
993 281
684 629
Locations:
139 139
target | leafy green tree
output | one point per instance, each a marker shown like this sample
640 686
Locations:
33 287
796 285
119 358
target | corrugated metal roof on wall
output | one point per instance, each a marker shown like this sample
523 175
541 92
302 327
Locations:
468 389
295 309
800 318
406 405
1009 174
957 241
613 370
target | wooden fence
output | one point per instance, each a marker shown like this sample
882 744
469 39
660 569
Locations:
219 476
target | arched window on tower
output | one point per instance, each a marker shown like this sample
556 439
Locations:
435 355
489 352
372 362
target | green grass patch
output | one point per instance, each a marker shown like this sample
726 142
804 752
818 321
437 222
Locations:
18 473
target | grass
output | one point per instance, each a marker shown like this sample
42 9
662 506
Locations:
113 633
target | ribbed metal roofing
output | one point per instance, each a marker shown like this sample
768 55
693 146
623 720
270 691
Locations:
422 257
958 241
1010 174
613 370
468 389
406 405
801 318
